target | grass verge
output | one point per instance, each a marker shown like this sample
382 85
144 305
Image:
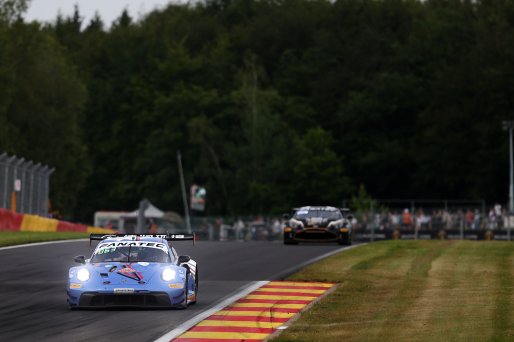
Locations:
412 291
19 238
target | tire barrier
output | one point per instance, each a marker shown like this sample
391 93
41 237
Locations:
13 222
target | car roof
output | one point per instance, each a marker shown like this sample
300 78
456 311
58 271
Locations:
320 208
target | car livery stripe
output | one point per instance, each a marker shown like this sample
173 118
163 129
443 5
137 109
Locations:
258 315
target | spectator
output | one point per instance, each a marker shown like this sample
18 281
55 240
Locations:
437 220
492 219
498 215
458 219
276 228
447 219
424 221
394 218
239 228
477 220
470 218
406 219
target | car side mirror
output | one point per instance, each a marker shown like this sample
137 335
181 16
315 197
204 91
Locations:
80 259
350 217
285 216
183 259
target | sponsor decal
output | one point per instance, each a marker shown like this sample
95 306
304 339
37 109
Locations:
75 286
175 286
143 263
111 246
129 272
122 290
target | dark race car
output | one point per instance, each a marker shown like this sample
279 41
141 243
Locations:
134 270
318 224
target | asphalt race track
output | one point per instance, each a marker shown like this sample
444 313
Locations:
33 289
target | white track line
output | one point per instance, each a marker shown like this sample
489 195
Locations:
200 317
41 243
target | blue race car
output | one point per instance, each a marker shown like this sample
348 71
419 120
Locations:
134 270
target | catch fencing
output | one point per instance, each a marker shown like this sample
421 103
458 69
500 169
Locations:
24 185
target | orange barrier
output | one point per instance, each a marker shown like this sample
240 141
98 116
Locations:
10 221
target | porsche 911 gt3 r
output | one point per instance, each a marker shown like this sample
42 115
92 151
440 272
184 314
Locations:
318 224
134 270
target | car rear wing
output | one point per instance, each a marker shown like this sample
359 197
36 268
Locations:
167 237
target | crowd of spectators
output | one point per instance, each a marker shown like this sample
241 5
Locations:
268 228
258 228
434 219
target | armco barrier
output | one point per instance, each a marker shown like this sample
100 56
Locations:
10 221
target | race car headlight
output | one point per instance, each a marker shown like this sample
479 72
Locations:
168 274
83 274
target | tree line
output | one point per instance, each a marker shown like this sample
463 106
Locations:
273 103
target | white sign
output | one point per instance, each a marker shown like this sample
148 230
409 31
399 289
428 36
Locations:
17 185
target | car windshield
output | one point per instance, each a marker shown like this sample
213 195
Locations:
131 252
324 214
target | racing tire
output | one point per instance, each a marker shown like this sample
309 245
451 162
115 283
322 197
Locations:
346 242
71 307
196 286
183 305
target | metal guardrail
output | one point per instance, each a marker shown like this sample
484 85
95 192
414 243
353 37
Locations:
24 185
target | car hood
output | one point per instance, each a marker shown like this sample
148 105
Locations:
315 221
121 273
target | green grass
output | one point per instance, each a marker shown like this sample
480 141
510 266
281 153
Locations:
18 238
412 291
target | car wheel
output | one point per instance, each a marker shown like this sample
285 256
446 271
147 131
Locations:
343 241
196 286
183 305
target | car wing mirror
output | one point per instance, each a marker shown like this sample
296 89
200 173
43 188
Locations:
183 259
80 259
285 216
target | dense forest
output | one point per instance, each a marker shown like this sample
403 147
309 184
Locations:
273 103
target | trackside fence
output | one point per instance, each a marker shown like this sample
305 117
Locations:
443 219
24 185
